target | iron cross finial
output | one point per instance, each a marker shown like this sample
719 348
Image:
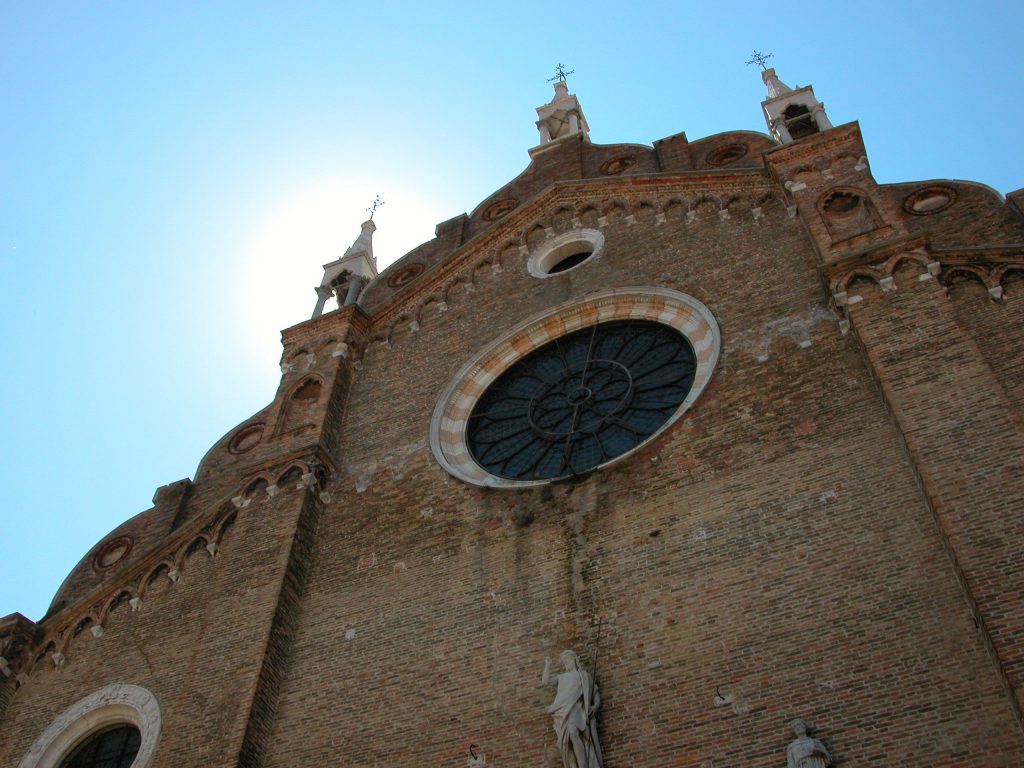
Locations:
760 59
561 74
377 203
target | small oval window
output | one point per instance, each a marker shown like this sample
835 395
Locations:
565 252
570 261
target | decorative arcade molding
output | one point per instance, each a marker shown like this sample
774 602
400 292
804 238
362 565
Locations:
989 266
24 657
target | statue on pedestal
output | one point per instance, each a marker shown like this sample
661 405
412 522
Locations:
805 751
574 712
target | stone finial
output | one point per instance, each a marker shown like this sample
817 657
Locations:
562 116
791 113
346 277
805 751
775 86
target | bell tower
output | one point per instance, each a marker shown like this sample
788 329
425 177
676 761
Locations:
344 278
791 113
563 115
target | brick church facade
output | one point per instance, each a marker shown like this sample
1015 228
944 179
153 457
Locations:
823 522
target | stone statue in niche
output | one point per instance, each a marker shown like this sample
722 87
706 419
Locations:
805 751
574 712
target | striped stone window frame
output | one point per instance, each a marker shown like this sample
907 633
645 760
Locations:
663 305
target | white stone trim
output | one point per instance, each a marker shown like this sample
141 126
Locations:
120 703
554 249
663 305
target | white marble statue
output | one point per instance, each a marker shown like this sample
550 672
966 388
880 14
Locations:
805 751
574 713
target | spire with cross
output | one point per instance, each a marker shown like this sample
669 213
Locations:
561 74
344 278
562 116
760 59
791 113
377 203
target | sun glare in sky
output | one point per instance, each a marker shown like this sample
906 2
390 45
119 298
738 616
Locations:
281 261
176 174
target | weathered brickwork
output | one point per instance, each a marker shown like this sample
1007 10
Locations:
966 440
987 322
831 531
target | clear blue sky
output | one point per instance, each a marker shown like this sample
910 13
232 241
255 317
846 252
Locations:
172 176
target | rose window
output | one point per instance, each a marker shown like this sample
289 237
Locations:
581 400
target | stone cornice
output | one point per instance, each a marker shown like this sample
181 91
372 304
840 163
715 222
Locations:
874 254
988 264
17 633
511 229
313 453
814 145
352 315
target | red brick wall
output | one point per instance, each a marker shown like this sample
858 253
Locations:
774 545
966 441
197 645
817 537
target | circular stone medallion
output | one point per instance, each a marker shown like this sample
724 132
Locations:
498 209
616 165
406 274
246 438
730 153
112 552
929 200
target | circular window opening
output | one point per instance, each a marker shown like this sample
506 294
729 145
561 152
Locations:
581 400
570 261
603 400
565 252
114 747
